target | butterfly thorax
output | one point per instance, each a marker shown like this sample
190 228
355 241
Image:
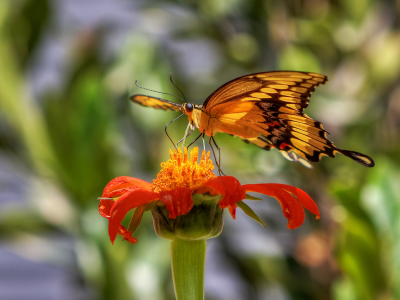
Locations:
193 114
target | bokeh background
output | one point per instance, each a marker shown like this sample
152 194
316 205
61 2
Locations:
67 127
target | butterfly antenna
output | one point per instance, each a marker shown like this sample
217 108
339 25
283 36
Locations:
170 78
137 84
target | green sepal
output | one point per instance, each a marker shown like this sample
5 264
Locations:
249 197
151 205
136 218
248 211
138 214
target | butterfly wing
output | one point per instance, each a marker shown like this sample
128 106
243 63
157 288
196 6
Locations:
263 143
266 109
155 102
292 88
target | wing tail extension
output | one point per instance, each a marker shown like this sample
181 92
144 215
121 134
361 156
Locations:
358 157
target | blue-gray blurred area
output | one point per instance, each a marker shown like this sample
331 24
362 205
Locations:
67 127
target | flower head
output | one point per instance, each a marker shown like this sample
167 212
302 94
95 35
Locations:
183 171
176 184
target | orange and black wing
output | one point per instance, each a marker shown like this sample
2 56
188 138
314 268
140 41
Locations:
155 102
266 145
289 88
271 104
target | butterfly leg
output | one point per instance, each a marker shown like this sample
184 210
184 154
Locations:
167 132
219 155
184 138
186 135
194 141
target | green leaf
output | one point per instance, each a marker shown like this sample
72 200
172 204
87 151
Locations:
248 211
249 197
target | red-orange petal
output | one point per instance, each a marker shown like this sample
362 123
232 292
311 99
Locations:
178 201
292 207
126 234
231 190
105 207
123 184
124 204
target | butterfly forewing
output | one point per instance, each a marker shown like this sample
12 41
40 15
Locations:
155 102
291 89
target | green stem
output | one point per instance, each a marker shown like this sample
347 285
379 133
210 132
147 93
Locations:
188 259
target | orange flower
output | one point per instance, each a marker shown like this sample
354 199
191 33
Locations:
180 178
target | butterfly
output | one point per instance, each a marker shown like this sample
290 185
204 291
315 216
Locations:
265 109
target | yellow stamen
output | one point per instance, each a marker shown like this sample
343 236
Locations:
183 171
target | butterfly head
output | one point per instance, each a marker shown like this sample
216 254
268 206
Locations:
192 113
188 107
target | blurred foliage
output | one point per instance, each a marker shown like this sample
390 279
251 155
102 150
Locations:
67 128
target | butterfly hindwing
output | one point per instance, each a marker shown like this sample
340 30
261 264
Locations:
263 143
155 102
296 136
286 130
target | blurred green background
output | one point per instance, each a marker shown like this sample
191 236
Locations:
67 127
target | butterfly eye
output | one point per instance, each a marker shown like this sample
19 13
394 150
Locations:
189 107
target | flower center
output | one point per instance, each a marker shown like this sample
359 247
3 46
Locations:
183 171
